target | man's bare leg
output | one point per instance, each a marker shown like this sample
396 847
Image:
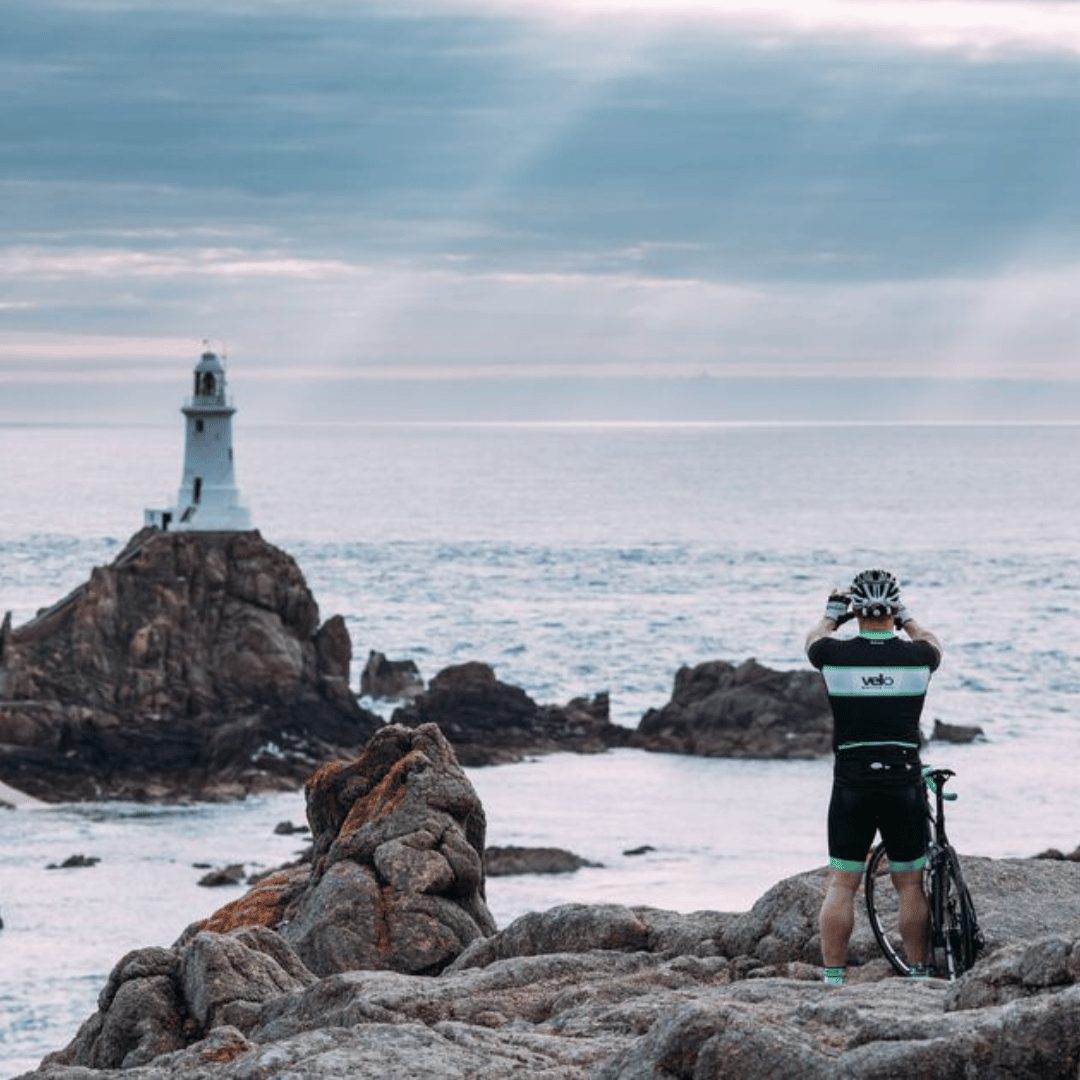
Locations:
914 915
838 917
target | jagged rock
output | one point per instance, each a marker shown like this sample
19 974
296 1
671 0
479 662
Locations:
192 666
955 733
160 1000
720 710
397 878
509 860
489 722
391 680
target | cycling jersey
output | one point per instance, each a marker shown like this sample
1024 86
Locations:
877 685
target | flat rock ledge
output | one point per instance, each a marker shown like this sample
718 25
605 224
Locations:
193 666
609 991
489 722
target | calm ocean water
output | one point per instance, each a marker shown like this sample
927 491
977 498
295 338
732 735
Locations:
574 559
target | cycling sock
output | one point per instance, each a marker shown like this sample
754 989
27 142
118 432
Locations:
918 971
833 976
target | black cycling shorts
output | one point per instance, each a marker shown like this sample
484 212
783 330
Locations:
873 794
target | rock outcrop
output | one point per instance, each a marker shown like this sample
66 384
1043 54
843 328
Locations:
489 722
396 879
192 666
608 991
719 709
391 680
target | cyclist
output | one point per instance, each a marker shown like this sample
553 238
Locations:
877 684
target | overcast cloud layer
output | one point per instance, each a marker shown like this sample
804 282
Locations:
459 207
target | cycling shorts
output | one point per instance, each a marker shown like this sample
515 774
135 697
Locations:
875 793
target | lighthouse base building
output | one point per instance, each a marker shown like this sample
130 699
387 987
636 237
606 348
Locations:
208 499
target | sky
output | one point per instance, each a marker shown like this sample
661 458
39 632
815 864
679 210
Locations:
542 209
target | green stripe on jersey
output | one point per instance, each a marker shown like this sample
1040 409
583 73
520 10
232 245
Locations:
870 682
857 745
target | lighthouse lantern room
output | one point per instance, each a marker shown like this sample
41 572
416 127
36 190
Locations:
208 499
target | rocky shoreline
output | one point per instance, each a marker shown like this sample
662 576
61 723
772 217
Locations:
379 957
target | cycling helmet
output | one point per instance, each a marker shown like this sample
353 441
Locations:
874 594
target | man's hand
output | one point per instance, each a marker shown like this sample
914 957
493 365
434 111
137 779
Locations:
836 612
837 606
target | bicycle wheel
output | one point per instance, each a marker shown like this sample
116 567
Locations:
883 910
956 938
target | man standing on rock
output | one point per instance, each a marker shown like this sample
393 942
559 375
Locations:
877 684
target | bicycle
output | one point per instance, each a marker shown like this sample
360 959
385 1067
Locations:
955 937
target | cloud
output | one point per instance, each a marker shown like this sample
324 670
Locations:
981 28
30 264
380 321
478 190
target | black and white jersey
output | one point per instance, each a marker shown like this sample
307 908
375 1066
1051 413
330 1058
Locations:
877 685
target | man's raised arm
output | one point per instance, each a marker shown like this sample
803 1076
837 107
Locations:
916 632
836 611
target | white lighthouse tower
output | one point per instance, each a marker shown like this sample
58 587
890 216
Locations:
208 499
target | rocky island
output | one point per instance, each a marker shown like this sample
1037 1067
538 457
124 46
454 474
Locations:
719 709
489 722
379 958
193 666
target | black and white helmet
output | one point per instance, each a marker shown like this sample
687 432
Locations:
874 594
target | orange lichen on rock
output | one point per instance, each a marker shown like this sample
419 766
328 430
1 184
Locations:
263 905
383 799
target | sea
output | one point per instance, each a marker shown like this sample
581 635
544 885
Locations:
573 558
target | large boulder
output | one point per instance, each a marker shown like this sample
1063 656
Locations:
719 709
489 722
160 1000
397 877
194 665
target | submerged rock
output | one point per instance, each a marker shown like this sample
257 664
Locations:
719 709
232 874
192 666
489 722
74 862
510 860
956 733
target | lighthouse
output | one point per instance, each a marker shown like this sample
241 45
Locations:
208 499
